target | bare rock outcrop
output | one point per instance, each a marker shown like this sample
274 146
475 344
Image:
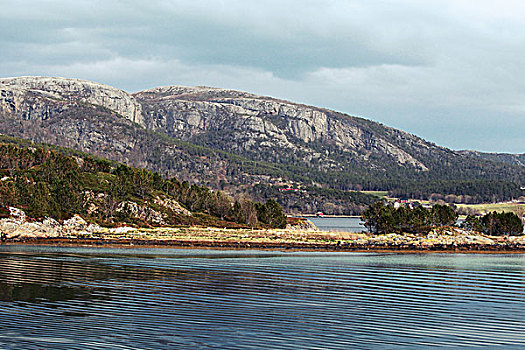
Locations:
172 205
301 224
141 212
17 225
150 215
248 123
70 90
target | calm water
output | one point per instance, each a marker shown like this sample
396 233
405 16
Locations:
88 298
338 224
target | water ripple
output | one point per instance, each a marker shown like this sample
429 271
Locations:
67 298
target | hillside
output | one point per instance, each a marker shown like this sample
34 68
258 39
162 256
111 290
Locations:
232 140
60 183
514 159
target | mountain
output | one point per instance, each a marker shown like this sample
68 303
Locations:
235 140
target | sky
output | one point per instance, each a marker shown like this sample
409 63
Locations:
449 71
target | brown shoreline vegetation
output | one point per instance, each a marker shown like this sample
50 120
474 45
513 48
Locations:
446 239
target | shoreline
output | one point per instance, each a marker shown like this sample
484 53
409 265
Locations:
267 245
328 216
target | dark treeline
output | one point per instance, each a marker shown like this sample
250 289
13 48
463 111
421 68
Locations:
45 182
385 218
312 199
381 218
459 191
495 223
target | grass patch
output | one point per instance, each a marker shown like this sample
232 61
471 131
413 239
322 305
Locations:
498 207
379 194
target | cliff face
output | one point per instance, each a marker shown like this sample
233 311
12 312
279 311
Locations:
255 125
46 110
64 90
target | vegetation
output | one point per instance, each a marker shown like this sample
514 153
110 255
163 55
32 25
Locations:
495 224
310 199
46 182
383 218
518 208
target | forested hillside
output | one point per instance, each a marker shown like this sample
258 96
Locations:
515 159
60 182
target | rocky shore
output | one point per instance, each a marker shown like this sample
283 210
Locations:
16 229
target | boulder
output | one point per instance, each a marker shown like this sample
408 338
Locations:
76 222
172 205
141 212
301 224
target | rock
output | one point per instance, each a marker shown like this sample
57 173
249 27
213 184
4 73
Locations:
17 214
78 226
74 89
301 224
123 229
189 112
18 226
93 228
29 229
172 205
51 227
141 212
9 227
75 223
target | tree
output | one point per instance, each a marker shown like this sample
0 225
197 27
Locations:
271 213
501 224
249 210
443 215
379 218
472 223
384 218
419 220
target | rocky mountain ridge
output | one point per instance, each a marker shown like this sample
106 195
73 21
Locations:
258 123
14 90
194 114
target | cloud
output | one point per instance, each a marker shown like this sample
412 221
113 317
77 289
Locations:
447 70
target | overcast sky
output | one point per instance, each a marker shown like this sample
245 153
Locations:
450 71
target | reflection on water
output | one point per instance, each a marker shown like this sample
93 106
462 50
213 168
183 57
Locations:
96 298
32 292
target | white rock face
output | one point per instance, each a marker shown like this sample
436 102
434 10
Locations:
18 226
61 88
250 121
17 214
76 222
302 225
172 205
141 212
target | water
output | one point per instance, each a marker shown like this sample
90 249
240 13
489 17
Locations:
101 298
340 224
